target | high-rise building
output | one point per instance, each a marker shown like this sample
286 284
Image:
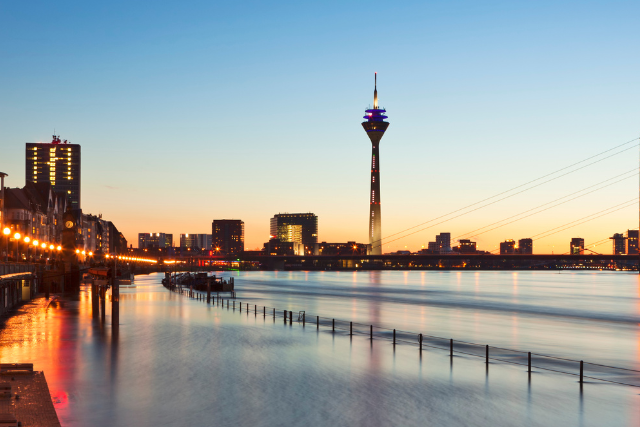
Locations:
375 126
632 242
154 240
58 163
196 241
508 247
227 236
295 227
618 244
525 246
577 246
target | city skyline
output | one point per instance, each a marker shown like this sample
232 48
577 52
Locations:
477 116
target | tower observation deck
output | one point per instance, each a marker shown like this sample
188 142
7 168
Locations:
375 126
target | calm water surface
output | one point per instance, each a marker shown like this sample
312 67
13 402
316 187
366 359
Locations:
177 361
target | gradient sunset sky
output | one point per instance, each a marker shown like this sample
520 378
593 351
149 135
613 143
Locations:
189 111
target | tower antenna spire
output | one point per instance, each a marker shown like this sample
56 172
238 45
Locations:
375 90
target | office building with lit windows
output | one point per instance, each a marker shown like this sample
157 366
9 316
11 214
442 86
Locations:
632 242
58 163
525 246
297 228
227 236
577 246
154 240
195 241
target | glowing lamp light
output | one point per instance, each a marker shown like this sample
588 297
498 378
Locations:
77 251
51 247
27 239
82 252
90 253
6 231
17 236
59 248
43 246
35 243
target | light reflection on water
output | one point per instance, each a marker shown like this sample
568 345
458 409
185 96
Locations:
179 361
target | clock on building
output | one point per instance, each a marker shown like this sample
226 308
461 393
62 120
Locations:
69 224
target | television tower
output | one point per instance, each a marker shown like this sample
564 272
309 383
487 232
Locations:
375 126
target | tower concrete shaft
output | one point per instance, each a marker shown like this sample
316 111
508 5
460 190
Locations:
375 126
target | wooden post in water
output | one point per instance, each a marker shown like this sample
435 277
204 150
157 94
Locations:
333 325
420 341
371 332
451 347
291 317
304 318
350 328
486 357
264 309
394 337
318 322
256 310
581 372
274 314
285 317
529 363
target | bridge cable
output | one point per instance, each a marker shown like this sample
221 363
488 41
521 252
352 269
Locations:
507 191
572 224
472 235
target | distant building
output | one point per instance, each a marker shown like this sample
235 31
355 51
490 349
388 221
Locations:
467 246
227 236
432 247
275 247
577 246
57 163
508 247
196 241
154 240
348 248
295 227
443 243
618 244
525 246
632 242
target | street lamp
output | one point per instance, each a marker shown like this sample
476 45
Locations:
6 232
17 239
27 240
35 245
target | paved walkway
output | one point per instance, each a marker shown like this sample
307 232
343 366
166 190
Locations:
34 407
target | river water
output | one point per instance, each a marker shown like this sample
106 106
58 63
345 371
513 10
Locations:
178 361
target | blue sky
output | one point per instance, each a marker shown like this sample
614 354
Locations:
190 111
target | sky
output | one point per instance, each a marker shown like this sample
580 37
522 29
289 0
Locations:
189 111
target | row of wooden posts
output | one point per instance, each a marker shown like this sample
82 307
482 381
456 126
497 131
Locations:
289 314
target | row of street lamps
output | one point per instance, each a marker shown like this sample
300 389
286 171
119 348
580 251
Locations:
17 237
